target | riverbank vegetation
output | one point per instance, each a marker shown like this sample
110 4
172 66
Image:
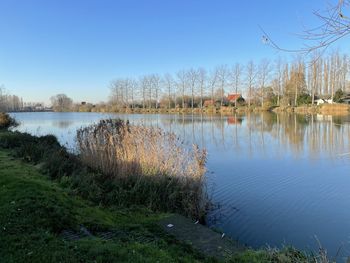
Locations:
99 175
54 207
6 121
147 166
43 221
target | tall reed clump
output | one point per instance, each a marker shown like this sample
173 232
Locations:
6 121
146 166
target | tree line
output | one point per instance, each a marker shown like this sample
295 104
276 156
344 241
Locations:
10 102
266 83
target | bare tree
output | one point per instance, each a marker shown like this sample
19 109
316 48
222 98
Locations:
236 78
155 84
117 92
314 82
143 83
222 74
132 85
278 79
149 91
169 85
3 104
295 84
344 70
192 76
61 102
251 75
264 70
202 78
212 83
181 83
285 77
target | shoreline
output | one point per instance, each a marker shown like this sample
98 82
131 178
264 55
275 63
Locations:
20 161
325 109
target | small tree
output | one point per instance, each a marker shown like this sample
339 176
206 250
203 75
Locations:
338 96
61 102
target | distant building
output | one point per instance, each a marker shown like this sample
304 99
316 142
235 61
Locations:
38 107
83 103
233 97
33 107
320 101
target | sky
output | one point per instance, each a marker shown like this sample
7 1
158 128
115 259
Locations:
78 47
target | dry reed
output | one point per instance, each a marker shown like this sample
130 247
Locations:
147 165
6 121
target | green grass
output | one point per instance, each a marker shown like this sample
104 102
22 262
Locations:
34 211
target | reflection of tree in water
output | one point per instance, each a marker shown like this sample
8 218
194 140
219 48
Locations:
310 135
63 123
291 130
313 134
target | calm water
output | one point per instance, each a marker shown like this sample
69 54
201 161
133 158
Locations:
277 179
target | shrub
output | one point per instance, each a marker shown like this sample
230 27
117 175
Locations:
6 121
338 96
304 99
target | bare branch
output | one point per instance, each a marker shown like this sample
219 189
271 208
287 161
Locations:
334 25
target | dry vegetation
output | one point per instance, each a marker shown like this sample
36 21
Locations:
335 109
6 121
154 167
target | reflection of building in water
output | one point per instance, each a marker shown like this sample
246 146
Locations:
234 120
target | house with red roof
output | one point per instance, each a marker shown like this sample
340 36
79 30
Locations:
233 97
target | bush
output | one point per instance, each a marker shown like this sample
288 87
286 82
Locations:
338 96
6 121
304 99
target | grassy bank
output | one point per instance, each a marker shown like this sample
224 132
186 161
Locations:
36 211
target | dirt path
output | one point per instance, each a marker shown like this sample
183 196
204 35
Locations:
200 237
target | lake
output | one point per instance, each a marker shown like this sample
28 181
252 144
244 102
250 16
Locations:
275 179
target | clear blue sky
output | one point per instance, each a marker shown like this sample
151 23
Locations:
78 47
